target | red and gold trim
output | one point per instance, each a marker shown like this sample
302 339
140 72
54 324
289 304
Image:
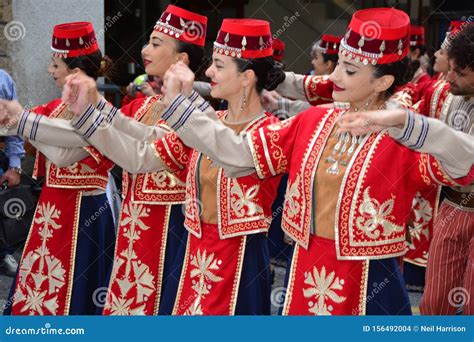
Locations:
440 176
318 89
245 202
298 210
329 44
425 210
137 275
183 25
210 278
171 150
377 36
45 276
320 284
244 38
74 39
158 188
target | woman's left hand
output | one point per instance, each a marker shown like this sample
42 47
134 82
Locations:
10 112
360 123
179 79
79 92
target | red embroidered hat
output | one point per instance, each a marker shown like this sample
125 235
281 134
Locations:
244 38
278 49
455 27
74 39
184 25
417 35
377 36
329 44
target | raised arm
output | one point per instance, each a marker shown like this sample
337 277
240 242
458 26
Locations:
35 127
453 149
266 151
132 154
61 156
310 88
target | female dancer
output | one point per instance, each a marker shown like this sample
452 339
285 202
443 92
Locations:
347 201
151 238
69 251
226 267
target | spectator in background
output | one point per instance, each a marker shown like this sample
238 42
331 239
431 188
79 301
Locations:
14 151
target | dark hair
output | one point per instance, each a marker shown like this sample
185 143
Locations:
461 49
196 56
94 65
331 57
268 71
400 70
422 49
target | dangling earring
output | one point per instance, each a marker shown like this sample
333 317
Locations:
244 100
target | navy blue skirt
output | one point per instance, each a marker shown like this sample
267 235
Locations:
279 250
174 256
255 279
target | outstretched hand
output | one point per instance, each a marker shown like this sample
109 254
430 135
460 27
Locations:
360 123
10 112
79 92
269 100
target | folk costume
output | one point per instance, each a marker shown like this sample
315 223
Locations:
151 238
347 240
68 254
226 265
455 220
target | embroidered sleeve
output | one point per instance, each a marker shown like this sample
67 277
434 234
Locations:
318 89
50 131
172 152
196 124
311 88
271 147
447 154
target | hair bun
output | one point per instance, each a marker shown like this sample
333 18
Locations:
275 76
105 65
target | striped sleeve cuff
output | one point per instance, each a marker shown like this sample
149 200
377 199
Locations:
28 125
414 132
22 123
94 118
179 112
283 111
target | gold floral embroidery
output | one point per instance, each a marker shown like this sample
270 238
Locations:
165 179
323 289
79 168
404 97
243 203
423 215
293 197
50 269
203 266
375 214
142 279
